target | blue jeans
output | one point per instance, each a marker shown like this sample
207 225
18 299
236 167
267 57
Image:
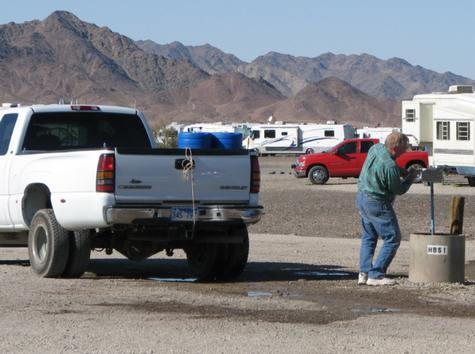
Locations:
377 220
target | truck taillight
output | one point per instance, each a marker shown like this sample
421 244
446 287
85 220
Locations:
105 176
255 175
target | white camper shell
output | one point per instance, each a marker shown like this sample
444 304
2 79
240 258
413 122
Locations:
445 122
298 138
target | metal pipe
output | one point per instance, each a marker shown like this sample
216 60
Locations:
432 216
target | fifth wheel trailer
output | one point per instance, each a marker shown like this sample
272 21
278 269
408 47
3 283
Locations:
298 138
444 122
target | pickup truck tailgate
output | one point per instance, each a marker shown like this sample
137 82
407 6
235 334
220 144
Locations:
157 176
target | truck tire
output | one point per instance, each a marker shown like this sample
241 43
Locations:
318 175
238 254
471 181
48 245
79 254
202 259
221 264
309 151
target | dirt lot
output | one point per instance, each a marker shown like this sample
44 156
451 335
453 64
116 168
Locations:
298 293
329 210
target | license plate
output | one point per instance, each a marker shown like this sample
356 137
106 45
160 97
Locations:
182 214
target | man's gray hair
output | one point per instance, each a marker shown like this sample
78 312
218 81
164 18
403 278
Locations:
396 139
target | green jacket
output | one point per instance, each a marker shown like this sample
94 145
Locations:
381 176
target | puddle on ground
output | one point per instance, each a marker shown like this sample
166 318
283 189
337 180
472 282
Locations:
259 294
174 280
377 310
293 269
322 274
315 273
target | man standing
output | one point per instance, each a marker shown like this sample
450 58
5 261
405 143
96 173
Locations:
378 184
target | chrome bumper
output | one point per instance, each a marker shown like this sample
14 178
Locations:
248 215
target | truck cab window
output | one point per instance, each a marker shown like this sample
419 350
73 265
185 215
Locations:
81 130
256 134
365 145
349 148
7 124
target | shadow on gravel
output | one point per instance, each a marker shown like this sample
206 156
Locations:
16 262
178 269
335 182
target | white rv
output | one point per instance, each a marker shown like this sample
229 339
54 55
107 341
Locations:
381 133
298 138
444 122
219 127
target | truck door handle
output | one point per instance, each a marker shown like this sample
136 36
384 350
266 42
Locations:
180 164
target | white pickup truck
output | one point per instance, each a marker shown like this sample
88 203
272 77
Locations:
76 178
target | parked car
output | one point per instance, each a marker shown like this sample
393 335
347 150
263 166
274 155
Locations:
79 177
346 160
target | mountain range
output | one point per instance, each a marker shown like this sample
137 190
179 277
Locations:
62 57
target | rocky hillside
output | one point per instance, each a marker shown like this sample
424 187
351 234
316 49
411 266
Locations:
62 57
206 57
334 99
394 78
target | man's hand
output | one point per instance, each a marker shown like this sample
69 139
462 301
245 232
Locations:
403 172
412 173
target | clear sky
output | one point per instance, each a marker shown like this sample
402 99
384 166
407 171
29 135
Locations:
436 34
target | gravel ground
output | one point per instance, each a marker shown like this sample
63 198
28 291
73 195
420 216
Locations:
329 210
298 293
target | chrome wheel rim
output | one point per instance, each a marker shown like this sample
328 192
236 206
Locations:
41 243
318 175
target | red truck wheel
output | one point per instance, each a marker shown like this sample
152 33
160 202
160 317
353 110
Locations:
318 175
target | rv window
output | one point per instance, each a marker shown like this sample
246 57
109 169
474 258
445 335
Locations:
6 129
269 134
329 133
410 115
283 134
443 130
349 148
365 145
463 131
256 134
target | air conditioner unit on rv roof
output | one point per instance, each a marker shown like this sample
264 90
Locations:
461 89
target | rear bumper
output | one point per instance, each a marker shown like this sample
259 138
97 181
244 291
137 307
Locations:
127 215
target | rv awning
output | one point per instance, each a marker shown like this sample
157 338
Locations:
454 112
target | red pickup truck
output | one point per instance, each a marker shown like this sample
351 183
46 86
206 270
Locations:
346 160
